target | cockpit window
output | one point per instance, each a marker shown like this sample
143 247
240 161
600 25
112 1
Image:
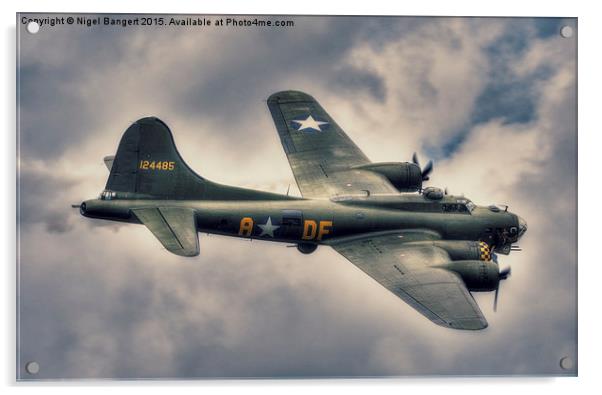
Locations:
470 206
455 208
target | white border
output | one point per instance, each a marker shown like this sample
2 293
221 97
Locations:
589 143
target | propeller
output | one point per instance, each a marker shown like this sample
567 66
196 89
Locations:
503 274
427 169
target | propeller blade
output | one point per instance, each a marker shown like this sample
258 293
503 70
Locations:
504 273
415 159
427 170
75 205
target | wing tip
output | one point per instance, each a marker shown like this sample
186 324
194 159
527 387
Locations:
471 324
186 254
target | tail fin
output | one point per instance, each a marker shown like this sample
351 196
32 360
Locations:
148 163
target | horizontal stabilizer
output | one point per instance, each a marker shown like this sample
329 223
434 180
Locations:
174 227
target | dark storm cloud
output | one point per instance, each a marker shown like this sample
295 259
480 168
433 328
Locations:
547 27
41 200
507 95
350 80
244 68
101 300
259 325
52 79
259 63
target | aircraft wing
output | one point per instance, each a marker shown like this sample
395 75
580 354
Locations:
175 228
320 154
411 273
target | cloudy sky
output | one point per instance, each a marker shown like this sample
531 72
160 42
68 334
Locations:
491 100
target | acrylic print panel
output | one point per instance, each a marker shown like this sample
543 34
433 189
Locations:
121 288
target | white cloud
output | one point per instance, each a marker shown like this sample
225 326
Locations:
432 76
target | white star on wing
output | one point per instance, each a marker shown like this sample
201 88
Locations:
309 123
268 228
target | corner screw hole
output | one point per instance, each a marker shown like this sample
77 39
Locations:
566 32
566 363
32 367
33 27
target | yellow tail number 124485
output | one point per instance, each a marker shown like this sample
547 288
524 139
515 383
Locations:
157 165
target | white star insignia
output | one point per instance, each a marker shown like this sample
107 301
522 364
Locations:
268 229
309 123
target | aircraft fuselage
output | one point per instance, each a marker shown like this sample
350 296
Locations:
317 221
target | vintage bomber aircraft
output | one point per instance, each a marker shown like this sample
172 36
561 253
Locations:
428 248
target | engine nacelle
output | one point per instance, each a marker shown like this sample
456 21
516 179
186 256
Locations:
306 248
404 176
460 250
471 260
477 275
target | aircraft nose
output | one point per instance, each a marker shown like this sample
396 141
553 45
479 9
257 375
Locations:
522 226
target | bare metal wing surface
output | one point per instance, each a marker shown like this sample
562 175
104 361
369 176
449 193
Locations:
415 270
324 160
